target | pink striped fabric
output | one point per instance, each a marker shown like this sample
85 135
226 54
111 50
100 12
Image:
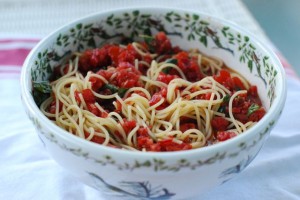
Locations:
12 55
14 51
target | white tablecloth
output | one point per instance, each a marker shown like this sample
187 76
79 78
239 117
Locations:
27 171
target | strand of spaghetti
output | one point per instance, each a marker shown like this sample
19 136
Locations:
163 135
161 101
89 130
198 135
107 136
141 62
167 127
100 107
61 90
134 89
114 114
234 121
150 83
43 107
105 124
63 120
93 75
77 126
208 118
164 65
175 83
141 50
131 140
123 146
72 70
153 118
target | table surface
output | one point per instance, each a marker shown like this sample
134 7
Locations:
27 171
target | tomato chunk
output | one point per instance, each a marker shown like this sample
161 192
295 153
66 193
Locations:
225 135
219 123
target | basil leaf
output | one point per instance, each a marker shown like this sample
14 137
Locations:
222 109
41 91
42 86
254 107
111 87
148 39
115 89
122 91
226 98
172 61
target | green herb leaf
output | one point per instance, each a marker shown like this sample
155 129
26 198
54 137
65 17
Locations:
122 91
226 98
254 107
115 89
149 40
111 87
172 61
41 91
222 109
42 86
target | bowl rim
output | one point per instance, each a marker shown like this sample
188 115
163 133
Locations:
29 102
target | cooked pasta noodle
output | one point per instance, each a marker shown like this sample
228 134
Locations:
169 107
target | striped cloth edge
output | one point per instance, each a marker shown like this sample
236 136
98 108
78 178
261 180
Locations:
13 52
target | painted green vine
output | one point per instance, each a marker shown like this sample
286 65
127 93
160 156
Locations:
83 36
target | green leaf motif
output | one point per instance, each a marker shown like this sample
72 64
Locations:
168 19
79 26
203 40
195 17
250 65
136 13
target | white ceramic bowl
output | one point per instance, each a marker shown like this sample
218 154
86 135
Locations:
170 175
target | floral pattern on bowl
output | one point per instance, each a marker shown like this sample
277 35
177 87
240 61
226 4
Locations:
91 35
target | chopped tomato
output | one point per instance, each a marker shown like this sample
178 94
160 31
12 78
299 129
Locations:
97 139
96 83
128 125
52 108
186 126
257 115
205 96
170 145
219 123
88 96
114 52
253 95
189 67
93 109
238 84
94 58
225 135
156 97
166 78
127 76
162 43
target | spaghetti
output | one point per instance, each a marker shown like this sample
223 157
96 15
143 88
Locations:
150 96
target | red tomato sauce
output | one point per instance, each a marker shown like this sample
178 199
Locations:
117 65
